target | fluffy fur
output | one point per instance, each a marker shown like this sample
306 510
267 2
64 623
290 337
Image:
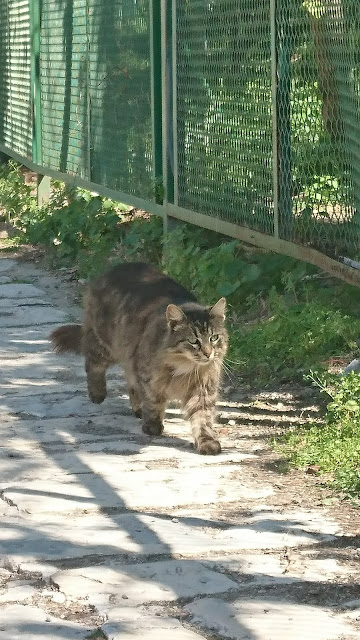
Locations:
170 346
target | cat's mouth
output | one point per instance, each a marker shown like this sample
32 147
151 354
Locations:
201 360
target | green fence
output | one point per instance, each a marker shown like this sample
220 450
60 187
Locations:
236 115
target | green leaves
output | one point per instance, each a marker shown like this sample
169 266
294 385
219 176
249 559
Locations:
334 445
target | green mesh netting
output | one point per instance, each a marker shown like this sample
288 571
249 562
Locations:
15 102
120 78
319 159
225 110
224 134
97 118
95 87
63 68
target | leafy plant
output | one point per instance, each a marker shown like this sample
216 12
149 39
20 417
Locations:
334 445
16 197
142 240
293 338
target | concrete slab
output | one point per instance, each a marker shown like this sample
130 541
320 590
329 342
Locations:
116 632
28 316
20 290
127 623
17 593
64 404
44 537
126 489
23 622
25 460
140 583
279 568
26 340
6 264
268 619
6 303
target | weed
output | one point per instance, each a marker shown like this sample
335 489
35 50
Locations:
294 337
142 240
334 445
97 634
16 197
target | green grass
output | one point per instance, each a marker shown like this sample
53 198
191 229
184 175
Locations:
296 336
334 445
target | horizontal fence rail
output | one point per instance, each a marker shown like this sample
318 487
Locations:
234 115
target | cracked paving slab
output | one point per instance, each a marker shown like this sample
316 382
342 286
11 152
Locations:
268 618
106 533
24 622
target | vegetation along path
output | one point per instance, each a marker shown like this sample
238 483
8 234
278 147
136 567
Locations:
106 533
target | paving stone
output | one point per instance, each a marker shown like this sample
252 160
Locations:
37 370
27 316
140 583
20 622
6 264
127 623
15 303
4 279
117 632
51 537
17 291
188 486
270 568
23 340
17 593
65 405
24 460
268 619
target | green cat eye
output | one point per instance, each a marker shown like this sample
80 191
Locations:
194 342
214 337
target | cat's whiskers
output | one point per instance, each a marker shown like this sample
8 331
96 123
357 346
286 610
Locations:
227 371
233 361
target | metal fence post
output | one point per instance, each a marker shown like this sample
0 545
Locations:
156 96
275 160
35 80
164 110
43 182
281 86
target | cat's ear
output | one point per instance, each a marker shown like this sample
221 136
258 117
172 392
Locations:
218 310
174 315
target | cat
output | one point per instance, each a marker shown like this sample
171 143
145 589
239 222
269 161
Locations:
170 346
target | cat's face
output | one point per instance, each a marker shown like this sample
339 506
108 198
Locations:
197 334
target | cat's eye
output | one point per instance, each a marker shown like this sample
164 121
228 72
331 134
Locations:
194 342
214 337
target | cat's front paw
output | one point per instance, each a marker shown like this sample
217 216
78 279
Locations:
153 428
97 398
208 446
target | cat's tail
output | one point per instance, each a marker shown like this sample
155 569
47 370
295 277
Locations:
67 338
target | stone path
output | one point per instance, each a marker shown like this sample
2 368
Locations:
105 533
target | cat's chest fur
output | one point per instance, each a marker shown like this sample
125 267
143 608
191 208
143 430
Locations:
181 377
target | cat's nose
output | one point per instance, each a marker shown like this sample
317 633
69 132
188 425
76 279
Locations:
207 350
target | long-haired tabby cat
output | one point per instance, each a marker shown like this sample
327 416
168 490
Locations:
170 346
